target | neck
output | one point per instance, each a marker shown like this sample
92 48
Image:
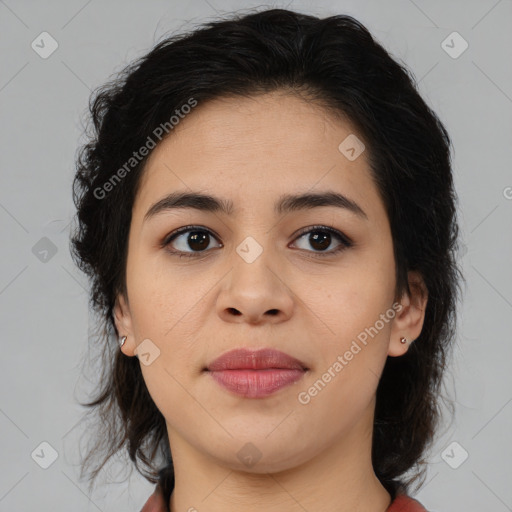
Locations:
338 479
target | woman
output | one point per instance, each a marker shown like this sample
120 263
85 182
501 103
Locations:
267 215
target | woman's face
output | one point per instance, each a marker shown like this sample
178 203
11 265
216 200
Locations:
263 277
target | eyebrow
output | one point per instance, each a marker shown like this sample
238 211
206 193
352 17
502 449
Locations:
285 204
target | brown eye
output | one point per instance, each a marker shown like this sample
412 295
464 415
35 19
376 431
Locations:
320 239
198 240
189 240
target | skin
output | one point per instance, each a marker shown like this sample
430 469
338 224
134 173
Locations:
314 456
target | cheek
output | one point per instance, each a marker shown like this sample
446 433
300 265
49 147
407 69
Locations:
350 324
170 313
351 300
154 300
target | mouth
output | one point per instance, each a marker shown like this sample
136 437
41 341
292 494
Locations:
255 374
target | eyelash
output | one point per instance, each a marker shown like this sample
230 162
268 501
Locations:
345 242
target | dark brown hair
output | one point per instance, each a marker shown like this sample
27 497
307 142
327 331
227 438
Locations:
335 62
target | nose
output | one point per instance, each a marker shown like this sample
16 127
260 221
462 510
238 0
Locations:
254 293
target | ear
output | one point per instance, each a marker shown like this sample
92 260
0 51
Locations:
408 321
123 320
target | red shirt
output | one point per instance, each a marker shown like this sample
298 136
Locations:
401 503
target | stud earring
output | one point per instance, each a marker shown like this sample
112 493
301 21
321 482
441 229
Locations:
122 340
403 340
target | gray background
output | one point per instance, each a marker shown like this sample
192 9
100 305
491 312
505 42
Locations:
43 298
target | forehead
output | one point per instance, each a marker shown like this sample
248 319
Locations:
250 150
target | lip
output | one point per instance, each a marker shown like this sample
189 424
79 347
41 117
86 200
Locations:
256 373
262 359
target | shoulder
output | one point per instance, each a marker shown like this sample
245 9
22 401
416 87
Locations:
155 502
404 503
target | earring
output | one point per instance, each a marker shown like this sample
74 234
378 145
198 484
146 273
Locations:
403 340
122 340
